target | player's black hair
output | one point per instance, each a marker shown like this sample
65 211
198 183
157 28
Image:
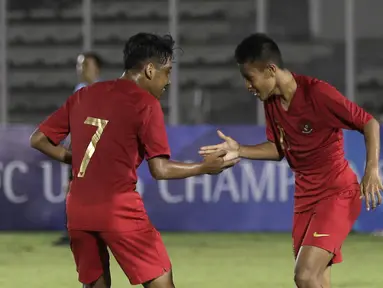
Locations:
258 47
145 46
96 57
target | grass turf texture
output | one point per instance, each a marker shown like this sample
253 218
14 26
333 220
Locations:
199 260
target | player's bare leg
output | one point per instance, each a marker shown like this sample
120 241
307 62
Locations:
310 267
103 282
326 278
164 281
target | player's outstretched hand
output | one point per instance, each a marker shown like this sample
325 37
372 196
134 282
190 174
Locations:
371 187
214 163
229 145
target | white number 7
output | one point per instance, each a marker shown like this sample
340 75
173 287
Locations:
100 124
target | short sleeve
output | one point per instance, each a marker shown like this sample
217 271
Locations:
337 110
56 126
269 131
152 132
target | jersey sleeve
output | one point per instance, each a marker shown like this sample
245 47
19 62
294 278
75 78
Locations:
56 126
152 132
338 111
269 131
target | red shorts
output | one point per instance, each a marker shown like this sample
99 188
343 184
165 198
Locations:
327 225
141 254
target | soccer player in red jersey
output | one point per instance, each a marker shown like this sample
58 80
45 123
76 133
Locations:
114 125
304 122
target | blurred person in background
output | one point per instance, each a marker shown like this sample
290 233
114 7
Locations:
88 68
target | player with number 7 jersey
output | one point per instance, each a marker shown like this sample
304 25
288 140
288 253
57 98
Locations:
114 126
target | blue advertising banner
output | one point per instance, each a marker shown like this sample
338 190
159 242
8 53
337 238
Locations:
252 196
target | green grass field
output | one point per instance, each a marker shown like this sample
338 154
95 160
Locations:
199 260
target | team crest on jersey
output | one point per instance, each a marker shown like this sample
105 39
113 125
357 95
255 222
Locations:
306 127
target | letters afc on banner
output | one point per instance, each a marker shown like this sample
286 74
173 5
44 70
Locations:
252 196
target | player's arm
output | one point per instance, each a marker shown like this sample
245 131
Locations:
268 151
163 168
41 142
152 134
341 113
371 131
47 137
264 151
371 184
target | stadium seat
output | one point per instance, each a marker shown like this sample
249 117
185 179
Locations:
61 54
45 39
369 75
143 9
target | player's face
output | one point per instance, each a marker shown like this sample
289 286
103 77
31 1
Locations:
161 79
87 69
260 79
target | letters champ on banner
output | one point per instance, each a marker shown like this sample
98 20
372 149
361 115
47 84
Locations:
252 196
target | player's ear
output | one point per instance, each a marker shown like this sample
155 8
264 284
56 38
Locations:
149 71
271 70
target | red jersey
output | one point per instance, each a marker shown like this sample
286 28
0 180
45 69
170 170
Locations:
114 125
310 135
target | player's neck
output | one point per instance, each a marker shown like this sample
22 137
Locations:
90 81
286 86
134 77
137 78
